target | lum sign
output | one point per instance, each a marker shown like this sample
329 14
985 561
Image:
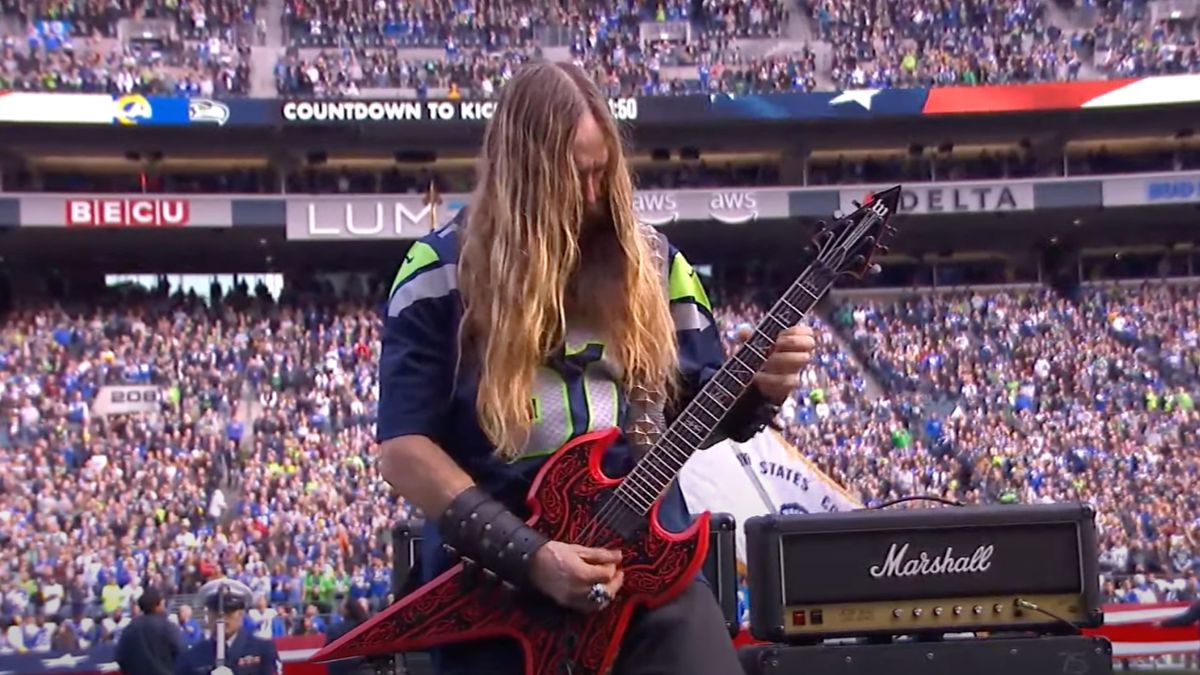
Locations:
407 217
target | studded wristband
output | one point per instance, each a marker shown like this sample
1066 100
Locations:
484 531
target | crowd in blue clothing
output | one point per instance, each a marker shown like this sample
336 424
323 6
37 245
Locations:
75 47
339 48
1021 395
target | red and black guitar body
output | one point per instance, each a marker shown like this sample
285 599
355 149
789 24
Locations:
566 495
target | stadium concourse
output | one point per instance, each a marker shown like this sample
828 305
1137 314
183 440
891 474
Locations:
468 48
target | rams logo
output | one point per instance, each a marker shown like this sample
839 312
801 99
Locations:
131 108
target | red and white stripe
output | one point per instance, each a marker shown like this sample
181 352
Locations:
1132 631
1130 628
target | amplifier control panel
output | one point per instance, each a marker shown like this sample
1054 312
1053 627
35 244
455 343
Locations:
949 614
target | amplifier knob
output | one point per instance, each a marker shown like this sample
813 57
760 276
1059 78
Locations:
998 608
897 613
978 609
917 611
958 610
937 611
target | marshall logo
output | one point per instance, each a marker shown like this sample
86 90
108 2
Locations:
898 564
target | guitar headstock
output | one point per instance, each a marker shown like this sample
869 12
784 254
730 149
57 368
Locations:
847 245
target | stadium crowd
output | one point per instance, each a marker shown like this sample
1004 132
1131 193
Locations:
623 69
257 462
349 48
59 56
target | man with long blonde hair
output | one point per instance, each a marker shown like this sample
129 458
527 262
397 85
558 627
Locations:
547 310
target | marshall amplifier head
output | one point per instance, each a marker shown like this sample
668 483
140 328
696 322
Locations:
915 571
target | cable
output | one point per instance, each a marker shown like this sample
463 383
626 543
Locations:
1021 603
918 498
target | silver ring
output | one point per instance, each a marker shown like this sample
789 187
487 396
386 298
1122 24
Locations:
599 595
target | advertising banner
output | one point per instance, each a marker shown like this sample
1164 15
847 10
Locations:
935 198
732 206
133 211
1152 189
408 110
105 109
411 216
348 218
127 399
704 108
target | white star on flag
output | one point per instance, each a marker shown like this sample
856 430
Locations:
860 96
64 661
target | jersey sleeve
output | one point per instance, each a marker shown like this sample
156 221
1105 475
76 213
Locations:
417 359
701 354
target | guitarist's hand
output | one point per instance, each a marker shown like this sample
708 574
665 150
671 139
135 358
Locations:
780 374
566 572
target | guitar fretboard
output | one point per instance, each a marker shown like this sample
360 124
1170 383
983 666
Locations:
700 418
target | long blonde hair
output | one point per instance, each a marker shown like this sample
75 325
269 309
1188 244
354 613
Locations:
521 252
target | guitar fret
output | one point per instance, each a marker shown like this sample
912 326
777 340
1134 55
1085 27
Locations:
799 313
627 500
723 405
812 295
632 482
729 370
754 351
782 326
676 454
717 381
650 467
696 442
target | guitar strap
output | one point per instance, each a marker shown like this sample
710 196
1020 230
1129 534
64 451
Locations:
646 420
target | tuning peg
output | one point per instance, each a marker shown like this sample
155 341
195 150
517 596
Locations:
874 270
858 260
883 249
450 550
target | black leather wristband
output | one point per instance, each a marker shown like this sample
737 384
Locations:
484 531
750 415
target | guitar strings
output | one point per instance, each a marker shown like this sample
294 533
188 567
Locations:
604 517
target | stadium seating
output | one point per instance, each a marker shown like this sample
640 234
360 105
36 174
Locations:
259 463
468 49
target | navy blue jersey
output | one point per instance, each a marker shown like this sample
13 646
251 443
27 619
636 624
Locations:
575 391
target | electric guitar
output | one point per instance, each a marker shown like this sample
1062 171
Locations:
573 501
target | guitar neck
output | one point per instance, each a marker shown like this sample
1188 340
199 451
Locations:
700 418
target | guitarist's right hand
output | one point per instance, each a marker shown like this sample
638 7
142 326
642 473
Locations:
566 573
